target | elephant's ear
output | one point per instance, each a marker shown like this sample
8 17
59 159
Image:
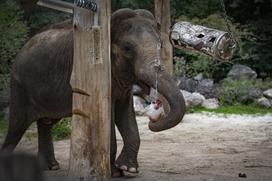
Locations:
144 13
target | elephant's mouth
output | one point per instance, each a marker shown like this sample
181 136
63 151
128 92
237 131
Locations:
169 90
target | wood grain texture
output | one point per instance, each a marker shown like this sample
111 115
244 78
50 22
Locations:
163 16
90 137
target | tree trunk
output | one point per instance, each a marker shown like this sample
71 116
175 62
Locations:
163 16
91 83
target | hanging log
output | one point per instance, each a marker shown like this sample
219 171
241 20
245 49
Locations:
163 16
91 83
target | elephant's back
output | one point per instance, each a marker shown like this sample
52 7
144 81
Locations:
43 67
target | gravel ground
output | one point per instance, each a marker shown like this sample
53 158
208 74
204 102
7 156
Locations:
205 146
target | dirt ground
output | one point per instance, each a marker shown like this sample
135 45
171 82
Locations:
205 146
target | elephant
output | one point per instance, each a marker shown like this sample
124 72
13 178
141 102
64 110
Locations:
41 90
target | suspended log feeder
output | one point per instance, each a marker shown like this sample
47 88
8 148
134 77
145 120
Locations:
215 43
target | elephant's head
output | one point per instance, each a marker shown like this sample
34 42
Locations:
135 36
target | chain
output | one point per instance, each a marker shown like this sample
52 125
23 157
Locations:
157 66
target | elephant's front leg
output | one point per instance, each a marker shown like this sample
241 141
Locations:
126 123
115 172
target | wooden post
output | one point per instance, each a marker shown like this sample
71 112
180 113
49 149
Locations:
91 83
163 16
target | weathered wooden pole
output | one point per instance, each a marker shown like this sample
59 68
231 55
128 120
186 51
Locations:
91 83
163 16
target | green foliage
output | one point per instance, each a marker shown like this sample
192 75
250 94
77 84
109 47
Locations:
13 33
255 16
3 125
62 129
194 8
44 17
234 109
234 90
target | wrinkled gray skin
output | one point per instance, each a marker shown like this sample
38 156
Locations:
40 88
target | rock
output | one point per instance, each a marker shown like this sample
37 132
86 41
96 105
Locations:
203 86
268 93
206 87
206 83
238 71
187 84
243 175
139 105
192 99
210 103
199 77
255 93
249 95
264 102
187 97
197 99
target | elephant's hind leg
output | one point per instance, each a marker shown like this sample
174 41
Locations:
46 147
18 120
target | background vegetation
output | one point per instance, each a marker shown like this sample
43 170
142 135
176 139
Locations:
250 21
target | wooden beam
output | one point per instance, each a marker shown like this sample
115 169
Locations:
163 16
57 5
91 83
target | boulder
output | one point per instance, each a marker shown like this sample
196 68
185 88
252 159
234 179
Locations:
197 99
264 102
198 77
192 99
268 93
207 88
238 71
187 84
249 95
139 105
255 93
187 97
210 103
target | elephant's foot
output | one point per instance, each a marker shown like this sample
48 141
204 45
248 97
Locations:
116 172
128 165
54 166
50 164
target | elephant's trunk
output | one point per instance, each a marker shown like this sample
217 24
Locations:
167 88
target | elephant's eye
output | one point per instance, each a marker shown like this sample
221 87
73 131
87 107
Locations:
128 49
